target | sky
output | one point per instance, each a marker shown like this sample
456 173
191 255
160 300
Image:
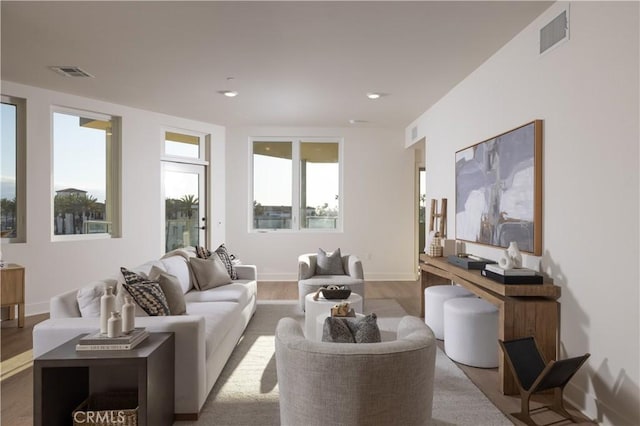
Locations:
8 151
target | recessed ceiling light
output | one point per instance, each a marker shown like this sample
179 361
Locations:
373 95
229 93
356 121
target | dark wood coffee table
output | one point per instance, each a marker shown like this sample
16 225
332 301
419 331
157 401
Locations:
63 378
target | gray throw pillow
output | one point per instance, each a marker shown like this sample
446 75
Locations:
209 273
329 263
350 330
336 330
172 290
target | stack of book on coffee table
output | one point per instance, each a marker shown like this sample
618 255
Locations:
511 276
101 342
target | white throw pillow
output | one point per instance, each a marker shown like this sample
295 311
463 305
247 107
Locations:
88 298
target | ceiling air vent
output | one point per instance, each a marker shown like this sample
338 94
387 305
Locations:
555 31
71 71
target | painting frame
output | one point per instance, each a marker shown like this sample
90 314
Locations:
498 184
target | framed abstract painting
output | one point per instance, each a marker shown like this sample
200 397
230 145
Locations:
499 190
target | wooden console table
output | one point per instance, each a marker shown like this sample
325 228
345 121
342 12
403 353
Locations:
524 310
12 290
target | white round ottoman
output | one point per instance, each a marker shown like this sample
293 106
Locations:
471 327
434 298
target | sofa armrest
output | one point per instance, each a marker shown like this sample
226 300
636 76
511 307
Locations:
64 305
306 266
246 272
354 267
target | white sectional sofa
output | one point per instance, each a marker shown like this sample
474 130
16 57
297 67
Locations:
204 337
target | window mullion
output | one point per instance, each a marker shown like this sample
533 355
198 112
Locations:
295 185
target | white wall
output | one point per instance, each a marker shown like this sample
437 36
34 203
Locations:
378 206
55 267
586 91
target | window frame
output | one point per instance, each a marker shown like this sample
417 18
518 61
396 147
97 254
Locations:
296 181
203 146
113 180
21 168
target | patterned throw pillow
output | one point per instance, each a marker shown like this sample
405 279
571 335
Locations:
223 254
202 252
329 263
350 330
148 294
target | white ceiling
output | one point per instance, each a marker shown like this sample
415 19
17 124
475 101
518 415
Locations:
294 63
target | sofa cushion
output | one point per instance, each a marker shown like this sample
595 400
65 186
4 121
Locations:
172 291
148 294
239 291
329 263
217 317
178 266
209 273
88 297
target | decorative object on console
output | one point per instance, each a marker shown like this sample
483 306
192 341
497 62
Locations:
107 305
128 315
435 249
514 253
469 261
513 271
512 279
114 327
499 190
505 261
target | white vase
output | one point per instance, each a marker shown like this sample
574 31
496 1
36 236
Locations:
514 254
107 305
128 315
114 326
505 262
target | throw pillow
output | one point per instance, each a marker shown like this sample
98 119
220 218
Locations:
202 252
329 263
89 300
365 330
226 258
121 292
350 330
336 330
147 293
209 273
172 290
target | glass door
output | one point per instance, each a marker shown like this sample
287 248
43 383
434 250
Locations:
184 195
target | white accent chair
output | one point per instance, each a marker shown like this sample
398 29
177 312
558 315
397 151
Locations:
309 282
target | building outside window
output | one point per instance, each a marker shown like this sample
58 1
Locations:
85 173
296 184
12 169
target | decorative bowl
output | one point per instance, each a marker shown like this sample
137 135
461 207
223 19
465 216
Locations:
342 293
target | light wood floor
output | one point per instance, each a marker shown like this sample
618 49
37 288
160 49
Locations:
16 390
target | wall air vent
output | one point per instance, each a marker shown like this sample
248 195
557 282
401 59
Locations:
70 71
555 31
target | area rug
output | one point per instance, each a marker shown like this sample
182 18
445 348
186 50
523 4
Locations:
246 392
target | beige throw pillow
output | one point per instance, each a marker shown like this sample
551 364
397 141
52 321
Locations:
170 285
209 273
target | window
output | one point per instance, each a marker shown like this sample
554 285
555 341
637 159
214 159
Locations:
12 169
296 184
85 173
